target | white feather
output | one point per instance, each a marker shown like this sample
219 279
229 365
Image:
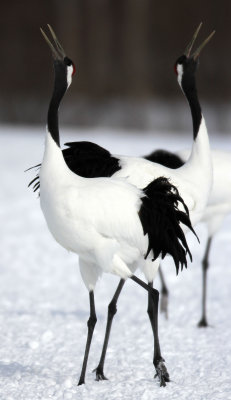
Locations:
219 202
193 180
98 218
95 218
69 75
179 68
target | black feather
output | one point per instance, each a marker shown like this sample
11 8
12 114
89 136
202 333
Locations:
33 180
34 166
159 213
88 160
165 158
161 218
36 187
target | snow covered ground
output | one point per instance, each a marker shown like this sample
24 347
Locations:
44 304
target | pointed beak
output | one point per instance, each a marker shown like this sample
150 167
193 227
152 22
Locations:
57 50
191 43
196 53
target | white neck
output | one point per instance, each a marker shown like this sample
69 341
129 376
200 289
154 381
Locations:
201 147
54 170
53 155
199 163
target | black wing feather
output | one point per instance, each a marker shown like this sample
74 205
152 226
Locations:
165 158
88 160
159 213
160 218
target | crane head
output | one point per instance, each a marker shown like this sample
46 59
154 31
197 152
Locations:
61 61
185 66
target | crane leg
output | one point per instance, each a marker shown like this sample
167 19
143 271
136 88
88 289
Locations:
153 297
153 301
112 309
158 361
164 294
91 325
205 264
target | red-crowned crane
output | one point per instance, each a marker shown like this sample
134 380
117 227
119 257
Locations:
112 224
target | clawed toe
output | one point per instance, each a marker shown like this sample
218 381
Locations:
162 373
99 375
202 323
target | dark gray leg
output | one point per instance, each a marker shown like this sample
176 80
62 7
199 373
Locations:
164 294
205 264
112 309
153 314
91 325
158 361
153 300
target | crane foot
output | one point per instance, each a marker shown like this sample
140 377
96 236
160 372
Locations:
99 375
203 323
162 373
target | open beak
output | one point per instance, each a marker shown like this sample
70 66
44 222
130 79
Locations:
196 53
56 48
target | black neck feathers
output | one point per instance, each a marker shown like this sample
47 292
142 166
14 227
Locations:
189 88
60 87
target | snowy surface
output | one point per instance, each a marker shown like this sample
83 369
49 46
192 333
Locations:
44 304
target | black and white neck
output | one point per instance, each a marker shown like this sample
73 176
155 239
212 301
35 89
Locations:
63 78
185 68
64 69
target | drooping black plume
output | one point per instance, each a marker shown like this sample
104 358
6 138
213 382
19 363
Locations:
161 218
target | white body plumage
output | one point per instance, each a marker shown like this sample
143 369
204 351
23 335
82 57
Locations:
95 218
193 180
117 246
219 202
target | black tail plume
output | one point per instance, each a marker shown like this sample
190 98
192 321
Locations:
161 218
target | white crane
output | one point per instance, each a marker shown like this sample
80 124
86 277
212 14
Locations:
110 223
218 207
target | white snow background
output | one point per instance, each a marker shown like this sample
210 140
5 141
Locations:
44 304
